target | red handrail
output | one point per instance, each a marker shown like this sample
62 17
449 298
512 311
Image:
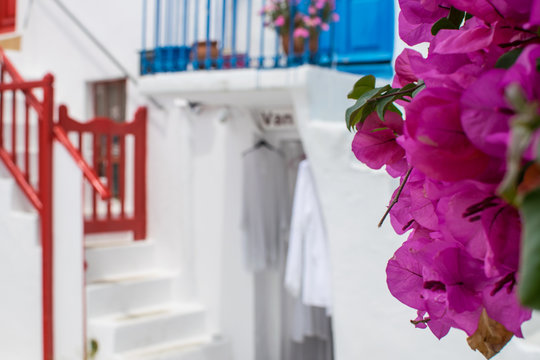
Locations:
61 135
17 78
40 195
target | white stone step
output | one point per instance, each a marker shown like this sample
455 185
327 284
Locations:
194 349
117 334
128 293
107 259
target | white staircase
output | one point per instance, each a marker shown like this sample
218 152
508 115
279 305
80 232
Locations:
131 311
20 273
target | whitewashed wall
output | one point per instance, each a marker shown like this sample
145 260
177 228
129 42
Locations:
20 267
20 275
69 342
194 185
368 321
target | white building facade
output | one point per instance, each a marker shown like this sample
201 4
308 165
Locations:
183 292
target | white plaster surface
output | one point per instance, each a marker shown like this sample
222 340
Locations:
20 285
68 257
194 189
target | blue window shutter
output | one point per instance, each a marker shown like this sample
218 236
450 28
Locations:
364 33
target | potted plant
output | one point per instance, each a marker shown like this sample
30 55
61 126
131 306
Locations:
280 14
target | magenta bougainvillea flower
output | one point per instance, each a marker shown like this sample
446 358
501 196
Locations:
427 141
404 72
462 253
375 141
486 115
416 19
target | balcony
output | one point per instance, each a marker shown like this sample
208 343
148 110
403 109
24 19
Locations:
193 35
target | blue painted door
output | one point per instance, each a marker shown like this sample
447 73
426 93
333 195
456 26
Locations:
364 33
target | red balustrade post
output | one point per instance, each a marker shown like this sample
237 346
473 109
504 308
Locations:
140 174
14 126
2 78
45 193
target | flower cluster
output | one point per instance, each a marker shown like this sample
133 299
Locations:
319 15
462 254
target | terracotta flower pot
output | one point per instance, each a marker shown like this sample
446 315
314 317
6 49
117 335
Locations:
299 44
199 50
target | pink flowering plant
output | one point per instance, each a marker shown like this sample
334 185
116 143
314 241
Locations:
320 13
466 149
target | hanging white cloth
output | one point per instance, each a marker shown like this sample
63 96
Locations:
265 212
307 273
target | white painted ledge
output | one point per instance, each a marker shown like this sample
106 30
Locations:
248 87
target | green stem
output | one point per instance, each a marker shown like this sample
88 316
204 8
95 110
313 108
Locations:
396 198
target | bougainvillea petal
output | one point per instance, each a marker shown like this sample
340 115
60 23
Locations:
451 41
404 73
414 34
427 142
502 226
375 141
485 115
535 13
404 277
504 308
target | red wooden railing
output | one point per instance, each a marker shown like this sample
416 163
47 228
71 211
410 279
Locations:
108 151
89 173
31 107
33 177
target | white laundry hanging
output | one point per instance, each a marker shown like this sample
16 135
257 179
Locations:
307 272
265 211
306 332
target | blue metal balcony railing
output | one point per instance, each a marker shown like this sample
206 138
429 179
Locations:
184 35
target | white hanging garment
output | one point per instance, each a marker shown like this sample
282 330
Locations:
307 273
265 212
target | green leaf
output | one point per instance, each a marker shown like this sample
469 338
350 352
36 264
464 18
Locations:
94 347
456 16
395 109
468 16
361 109
443 23
382 105
352 114
409 87
508 59
368 109
538 64
529 285
452 21
366 83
